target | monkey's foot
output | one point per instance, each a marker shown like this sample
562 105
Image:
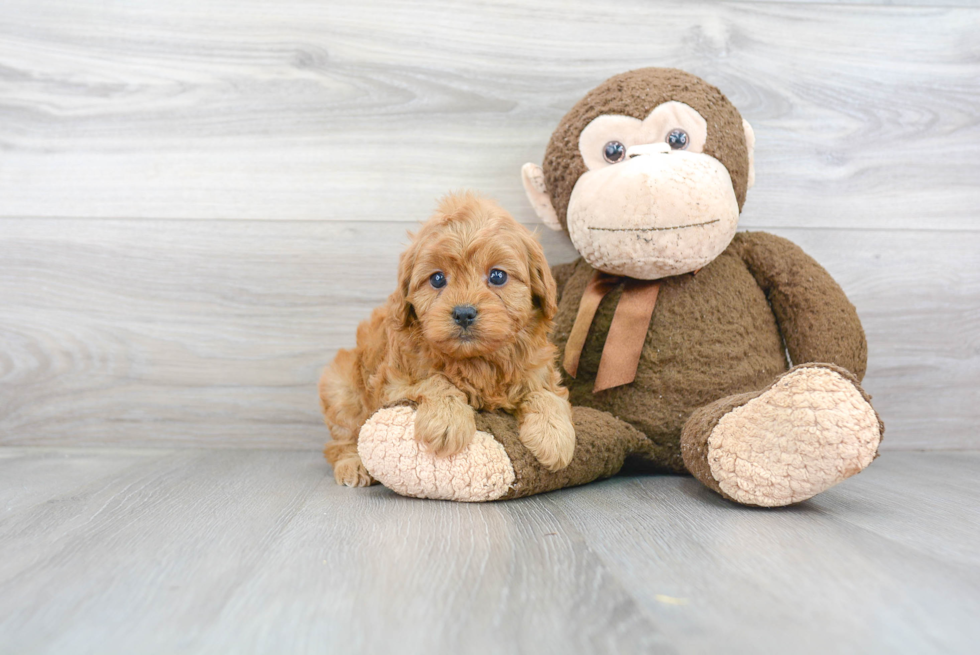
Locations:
495 465
812 428
387 446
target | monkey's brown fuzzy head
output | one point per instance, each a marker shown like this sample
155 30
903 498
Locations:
647 173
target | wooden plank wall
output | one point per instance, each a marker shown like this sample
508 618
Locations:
199 200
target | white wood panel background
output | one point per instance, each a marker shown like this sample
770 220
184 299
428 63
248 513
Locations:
199 200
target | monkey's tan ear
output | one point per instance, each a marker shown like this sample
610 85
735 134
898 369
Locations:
750 146
537 194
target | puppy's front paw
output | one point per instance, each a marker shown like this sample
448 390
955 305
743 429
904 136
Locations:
351 472
550 436
444 426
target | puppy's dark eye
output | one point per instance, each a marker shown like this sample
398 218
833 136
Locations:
614 152
437 280
677 139
497 277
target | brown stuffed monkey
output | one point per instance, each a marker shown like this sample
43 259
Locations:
673 329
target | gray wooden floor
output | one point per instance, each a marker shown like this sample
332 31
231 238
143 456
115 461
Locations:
220 551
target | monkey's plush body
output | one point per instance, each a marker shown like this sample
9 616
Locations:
711 316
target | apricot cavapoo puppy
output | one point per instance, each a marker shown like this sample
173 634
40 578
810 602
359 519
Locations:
466 329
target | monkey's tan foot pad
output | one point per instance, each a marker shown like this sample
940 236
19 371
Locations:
388 449
812 429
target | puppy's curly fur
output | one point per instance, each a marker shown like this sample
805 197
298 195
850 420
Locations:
415 348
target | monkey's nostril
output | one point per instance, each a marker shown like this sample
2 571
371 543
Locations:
464 315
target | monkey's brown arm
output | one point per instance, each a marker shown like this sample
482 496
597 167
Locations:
561 273
817 321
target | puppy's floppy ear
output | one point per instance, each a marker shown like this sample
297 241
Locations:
402 310
544 293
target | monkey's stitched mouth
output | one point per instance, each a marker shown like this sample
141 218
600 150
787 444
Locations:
652 229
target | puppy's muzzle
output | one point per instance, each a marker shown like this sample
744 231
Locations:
464 315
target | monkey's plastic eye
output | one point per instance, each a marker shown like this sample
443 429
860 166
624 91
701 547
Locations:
497 277
614 152
677 139
437 280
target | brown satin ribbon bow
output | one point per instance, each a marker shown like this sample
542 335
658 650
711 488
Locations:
624 343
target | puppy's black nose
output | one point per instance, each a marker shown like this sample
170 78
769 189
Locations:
464 315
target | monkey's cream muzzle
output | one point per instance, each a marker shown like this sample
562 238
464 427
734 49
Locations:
658 213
